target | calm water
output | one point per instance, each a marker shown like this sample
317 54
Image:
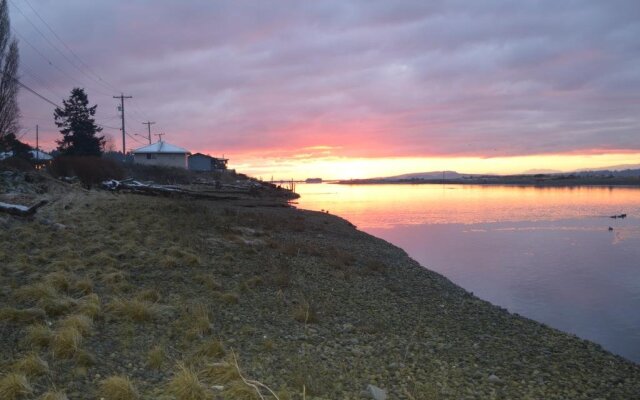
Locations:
545 253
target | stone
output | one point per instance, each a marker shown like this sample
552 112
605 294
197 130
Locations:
376 393
494 379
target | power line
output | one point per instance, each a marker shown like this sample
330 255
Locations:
54 46
48 60
67 47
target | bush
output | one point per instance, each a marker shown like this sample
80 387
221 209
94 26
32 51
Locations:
15 164
90 170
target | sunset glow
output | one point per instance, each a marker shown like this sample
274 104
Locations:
335 167
345 89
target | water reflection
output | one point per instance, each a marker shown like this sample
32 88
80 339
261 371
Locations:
369 206
546 253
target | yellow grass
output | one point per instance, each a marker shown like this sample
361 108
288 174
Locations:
54 395
14 386
156 357
118 388
38 335
135 310
185 385
80 322
66 342
31 365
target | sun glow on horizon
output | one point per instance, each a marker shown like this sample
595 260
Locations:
307 164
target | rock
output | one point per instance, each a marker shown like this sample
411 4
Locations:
347 328
376 393
494 379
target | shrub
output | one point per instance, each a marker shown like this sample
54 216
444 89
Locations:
90 170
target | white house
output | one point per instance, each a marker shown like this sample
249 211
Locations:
161 153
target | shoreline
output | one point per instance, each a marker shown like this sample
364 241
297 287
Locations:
302 297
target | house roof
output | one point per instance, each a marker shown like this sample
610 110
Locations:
40 155
161 147
207 156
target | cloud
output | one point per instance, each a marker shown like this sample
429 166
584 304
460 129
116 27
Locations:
366 78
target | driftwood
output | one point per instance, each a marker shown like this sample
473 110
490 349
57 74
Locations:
132 186
19 210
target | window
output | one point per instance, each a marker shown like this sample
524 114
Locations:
151 156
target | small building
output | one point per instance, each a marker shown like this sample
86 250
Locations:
161 153
204 162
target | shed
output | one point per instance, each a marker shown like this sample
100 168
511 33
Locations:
161 153
204 162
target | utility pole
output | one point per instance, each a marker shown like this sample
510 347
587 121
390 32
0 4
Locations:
37 146
148 124
159 135
122 97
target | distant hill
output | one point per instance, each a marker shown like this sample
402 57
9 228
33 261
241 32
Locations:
432 175
621 167
541 171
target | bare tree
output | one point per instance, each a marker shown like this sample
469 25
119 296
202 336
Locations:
9 110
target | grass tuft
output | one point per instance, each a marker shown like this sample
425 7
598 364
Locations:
31 365
151 295
211 348
54 395
89 305
199 320
238 390
22 315
156 357
14 386
38 335
221 372
185 385
65 342
304 313
135 310
118 388
230 298
80 322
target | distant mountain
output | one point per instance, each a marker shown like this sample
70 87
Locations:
541 171
611 168
433 175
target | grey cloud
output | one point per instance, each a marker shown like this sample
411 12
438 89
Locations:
442 77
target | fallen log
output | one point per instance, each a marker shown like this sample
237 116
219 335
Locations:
20 210
132 186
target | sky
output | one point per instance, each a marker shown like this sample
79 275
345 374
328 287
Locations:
343 88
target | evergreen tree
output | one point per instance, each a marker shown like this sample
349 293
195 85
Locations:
9 111
79 130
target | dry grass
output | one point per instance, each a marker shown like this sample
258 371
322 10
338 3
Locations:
65 342
303 312
211 348
134 310
151 295
37 292
89 305
54 395
185 385
118 388
221 372
198 320
31 365
230 298
25 315
14 386
84 358
38 335
209 282
80 322
238 390
156 357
